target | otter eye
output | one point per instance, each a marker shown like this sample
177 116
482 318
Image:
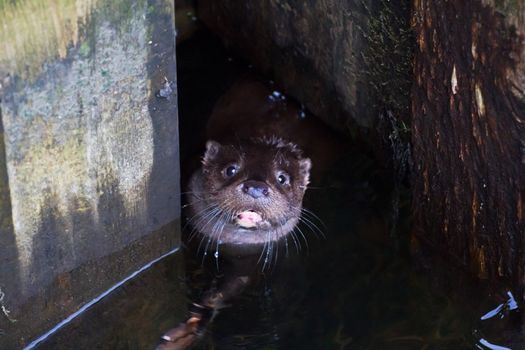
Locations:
231 170
283 178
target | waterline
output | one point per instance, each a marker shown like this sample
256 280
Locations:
71 317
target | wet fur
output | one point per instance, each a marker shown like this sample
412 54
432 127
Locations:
263 134
215 200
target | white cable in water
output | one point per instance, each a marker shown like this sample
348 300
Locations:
94 301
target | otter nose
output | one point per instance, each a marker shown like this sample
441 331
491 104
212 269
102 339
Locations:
256 189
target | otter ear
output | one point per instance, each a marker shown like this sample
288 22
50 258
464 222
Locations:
305 165
212 150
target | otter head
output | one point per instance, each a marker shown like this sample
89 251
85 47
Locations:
251 192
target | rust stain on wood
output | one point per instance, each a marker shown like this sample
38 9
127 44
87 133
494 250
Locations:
474 208
482 263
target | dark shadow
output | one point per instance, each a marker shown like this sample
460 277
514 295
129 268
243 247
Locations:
63 243
9 265
205 70
51 247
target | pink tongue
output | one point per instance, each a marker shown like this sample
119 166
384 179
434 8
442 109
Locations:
248 219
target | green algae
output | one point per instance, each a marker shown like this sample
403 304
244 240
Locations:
34 32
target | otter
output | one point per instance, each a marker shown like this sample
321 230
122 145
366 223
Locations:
246 195
245 198
262 151
249 193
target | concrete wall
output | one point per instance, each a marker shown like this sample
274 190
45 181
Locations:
89 177
313 49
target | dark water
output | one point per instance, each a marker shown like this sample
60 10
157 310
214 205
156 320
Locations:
358 288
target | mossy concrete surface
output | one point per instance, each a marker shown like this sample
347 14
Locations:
88 153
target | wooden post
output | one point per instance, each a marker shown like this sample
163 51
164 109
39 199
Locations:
468 134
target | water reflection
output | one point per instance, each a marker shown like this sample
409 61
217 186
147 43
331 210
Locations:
501 327
509 305
488 345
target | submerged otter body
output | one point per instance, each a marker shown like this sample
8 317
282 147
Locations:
248 193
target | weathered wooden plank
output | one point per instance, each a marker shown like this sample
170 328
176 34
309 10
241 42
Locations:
469 135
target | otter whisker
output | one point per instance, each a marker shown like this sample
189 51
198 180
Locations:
265 250
271 255
224 219
308 218
313 215
313 227
197 226
280 235
262 252
275 241
271 248
268 250
218 212
295 241
213 230
304 238
217 227
216 232
198 214
309 213
216 217
193 232
229 219
201 218
218 240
